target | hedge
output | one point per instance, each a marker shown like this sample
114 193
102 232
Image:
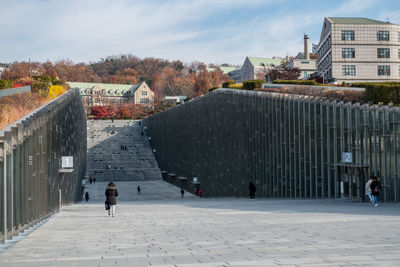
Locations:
44 78
41 88
252 84
6 84
301 82
212 89
386 92
236 86
227 84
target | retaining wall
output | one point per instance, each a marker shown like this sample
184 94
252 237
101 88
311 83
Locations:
30 159
290 146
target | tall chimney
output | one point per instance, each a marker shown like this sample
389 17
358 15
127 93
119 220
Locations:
306 53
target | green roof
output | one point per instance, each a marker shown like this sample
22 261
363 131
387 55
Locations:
224 69
110 89
260 61
338 20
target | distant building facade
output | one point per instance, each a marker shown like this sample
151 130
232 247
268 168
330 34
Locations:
257 67
3 67
359 49
99 94
303 62
176 99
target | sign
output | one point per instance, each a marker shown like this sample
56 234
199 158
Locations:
67 162
194 179
347 157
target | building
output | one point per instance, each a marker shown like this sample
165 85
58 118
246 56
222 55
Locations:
98 94
304 62
176 99
257 67
3 67
358 50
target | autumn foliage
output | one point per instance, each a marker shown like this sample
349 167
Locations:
124 111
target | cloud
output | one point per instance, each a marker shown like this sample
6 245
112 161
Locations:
204 30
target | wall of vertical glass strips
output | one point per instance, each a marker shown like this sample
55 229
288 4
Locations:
290 146
30 159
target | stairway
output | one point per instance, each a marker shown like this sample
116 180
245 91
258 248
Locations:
108 161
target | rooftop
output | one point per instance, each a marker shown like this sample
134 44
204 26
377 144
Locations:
342 20
110 89
260 61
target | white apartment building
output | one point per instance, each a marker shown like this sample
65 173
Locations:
359 50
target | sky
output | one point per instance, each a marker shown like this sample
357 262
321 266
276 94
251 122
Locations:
210 31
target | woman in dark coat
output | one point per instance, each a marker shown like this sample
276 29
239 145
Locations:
111 197
252 190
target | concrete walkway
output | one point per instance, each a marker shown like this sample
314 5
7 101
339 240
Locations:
215 232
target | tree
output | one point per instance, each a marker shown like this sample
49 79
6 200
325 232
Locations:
284 74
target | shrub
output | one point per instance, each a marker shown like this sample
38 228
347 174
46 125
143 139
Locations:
55 91
301 82
227 84
44 78
6 84
236 86
252 84
212 89
58 82
41 88
100 112
385 92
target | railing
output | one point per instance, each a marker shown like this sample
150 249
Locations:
31 186
290 146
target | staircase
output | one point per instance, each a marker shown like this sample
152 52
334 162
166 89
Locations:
107 158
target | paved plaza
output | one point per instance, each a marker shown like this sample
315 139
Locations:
214 232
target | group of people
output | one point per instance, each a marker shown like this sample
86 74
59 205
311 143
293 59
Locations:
372 189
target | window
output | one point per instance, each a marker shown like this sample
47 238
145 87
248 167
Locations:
348 53
383 36
399 70
144 100
399 53
349 70
384 70
398 36
347 35
383 53
144 92
305 62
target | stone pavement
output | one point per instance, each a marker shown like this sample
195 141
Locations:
215 232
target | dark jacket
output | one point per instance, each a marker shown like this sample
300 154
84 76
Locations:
375 187
252 188
111 194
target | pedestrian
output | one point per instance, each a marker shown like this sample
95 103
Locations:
94 180
87 196
138 189
368 191
375 189
112 119
182 192
90 180
252 190
200 193
111 197
142 133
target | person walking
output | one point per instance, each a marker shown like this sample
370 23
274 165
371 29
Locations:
200 193
138 189
87 196
368 191
111 197
252 190
375 189
182 192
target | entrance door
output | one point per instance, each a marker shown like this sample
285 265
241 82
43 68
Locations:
353 179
